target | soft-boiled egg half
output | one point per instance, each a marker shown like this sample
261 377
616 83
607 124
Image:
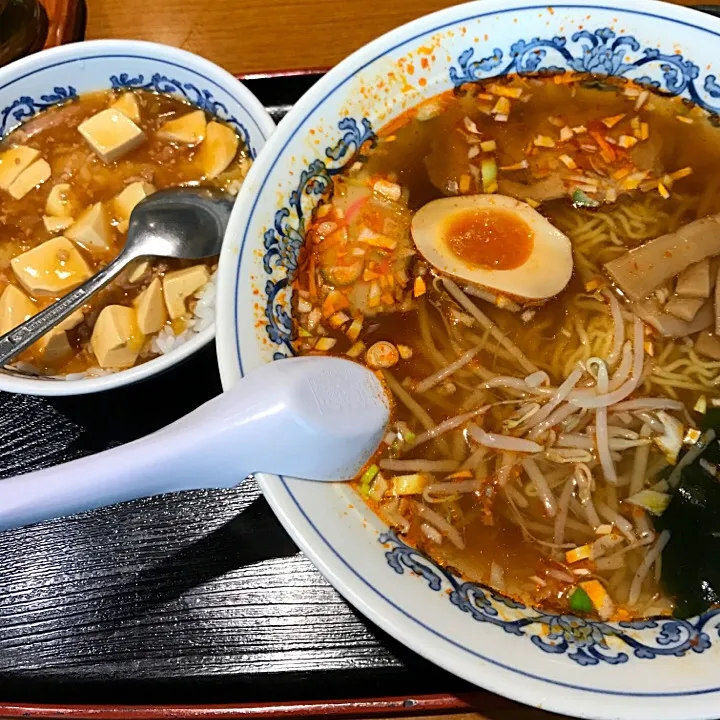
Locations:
494 241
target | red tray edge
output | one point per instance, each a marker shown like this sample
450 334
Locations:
368 707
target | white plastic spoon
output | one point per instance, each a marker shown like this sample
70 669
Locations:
319 418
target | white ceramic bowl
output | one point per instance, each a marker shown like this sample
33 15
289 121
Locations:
50 77
661 668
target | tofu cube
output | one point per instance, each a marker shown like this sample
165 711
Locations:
178 286
125 202
71 321
15 308
111 134
188 129
127 104
30 179
116 339
15 161
218 149
60 202
53 348
55 225
51 268
92 229
137 271
150 308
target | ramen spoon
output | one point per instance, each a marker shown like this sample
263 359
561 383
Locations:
316 418
183 223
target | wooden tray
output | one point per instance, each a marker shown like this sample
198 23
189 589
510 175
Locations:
66 21
188 607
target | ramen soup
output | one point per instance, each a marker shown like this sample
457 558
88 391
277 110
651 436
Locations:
69 180
531 264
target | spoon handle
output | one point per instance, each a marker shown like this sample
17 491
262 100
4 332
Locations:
319 418
195 452
24 335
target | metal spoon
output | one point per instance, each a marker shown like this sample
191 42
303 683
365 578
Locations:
316 418
184 223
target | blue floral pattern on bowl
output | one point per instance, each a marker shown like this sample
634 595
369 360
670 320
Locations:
284 239
587 642
25 107
601 52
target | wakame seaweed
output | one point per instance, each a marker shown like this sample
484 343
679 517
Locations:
690 567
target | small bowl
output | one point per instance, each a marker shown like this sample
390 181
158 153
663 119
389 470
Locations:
40 81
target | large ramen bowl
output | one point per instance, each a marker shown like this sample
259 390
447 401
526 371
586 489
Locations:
658 668
58 75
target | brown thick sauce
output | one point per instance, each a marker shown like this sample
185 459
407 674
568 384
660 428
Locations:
157 161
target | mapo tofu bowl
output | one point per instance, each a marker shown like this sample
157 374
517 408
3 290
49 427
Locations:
509 212
87 131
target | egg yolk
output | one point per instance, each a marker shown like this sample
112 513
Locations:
489 238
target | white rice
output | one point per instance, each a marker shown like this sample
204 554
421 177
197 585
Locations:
202 317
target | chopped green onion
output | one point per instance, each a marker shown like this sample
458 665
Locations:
580 199
369 474
405 437
488 169
580 601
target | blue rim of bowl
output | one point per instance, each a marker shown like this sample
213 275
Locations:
125 56
297 503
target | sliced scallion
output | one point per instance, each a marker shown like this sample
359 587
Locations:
580 601
369 474
581 200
